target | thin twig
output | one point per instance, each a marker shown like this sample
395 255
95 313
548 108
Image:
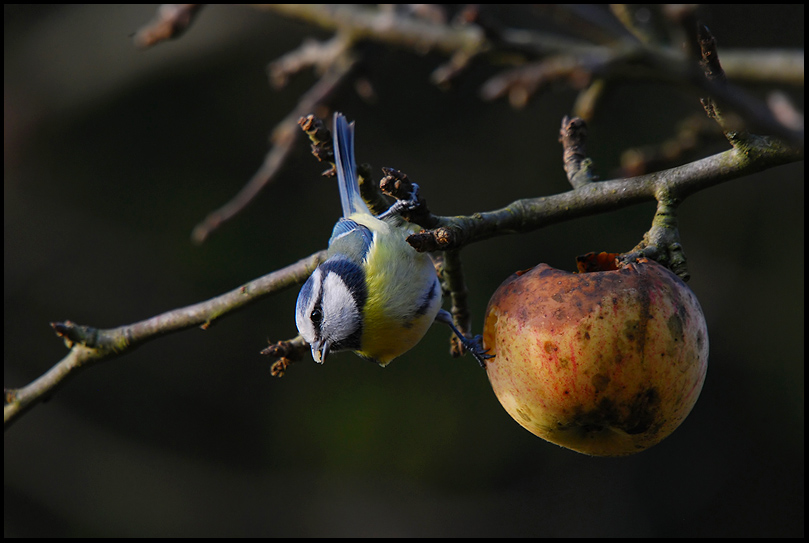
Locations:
362 22
284 136
453 278
572 136
170 22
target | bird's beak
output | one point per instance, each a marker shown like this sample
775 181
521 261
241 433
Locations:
319 351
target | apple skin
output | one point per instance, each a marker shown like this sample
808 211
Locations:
606 363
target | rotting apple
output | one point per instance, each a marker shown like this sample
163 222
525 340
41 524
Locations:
606 363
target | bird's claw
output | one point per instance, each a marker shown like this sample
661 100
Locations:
474 346
400 206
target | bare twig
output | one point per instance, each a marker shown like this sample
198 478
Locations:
783 66
689 136
170 22
572 136
523 83
284 136
722 96
452 275
287 352
311 53
362 22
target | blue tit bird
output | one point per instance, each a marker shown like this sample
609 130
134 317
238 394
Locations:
375 294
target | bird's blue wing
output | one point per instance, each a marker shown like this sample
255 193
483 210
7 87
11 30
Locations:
351 239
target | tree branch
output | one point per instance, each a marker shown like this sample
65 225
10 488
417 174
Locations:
533 213
90 345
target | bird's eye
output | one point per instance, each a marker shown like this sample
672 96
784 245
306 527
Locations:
316 316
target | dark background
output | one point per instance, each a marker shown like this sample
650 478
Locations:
112 155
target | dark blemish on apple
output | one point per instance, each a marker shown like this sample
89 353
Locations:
636 417
600 382
631 329
675 326
523 415
643 411
583 332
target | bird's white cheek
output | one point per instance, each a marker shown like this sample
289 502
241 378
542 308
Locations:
341 316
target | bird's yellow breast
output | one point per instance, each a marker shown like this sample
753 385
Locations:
403 293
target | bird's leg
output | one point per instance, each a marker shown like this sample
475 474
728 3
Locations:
472 345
